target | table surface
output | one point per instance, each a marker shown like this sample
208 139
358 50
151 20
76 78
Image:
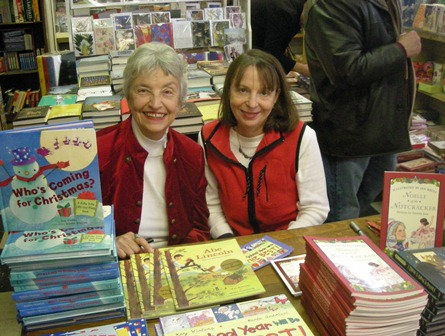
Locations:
267 275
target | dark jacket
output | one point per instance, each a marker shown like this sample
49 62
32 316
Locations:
274 24
362 85
121 164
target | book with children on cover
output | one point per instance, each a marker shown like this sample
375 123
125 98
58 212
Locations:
272 315
207 274
413 209
49 178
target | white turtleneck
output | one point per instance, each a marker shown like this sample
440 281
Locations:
154 222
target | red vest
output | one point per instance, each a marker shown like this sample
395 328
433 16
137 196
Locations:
262 197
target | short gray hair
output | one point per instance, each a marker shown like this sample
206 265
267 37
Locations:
155 56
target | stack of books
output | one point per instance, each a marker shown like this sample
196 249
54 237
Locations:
173 279
31 116
119 60
198 78
304 106
188 120
427 267
60 246
94 77
272 315
63 108
104 111
217 69
350 287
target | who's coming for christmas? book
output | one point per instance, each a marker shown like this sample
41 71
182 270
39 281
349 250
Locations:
49 178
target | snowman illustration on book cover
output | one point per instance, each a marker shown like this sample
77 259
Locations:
52 179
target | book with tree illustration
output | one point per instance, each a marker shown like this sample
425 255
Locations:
206 274
49 178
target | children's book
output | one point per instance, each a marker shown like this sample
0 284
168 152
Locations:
31 115
206 274
289 271
56 244
133 309
260 252
101 106
273 315
412 211
58 99
427 266
49 178
64 113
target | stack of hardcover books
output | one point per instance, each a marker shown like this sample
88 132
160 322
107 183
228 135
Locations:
60 246
427 266
119 60
350 287
94 77
272 315
188 120
103 110
173 279
304 106
63 108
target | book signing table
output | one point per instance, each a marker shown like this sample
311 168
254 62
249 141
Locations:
267 275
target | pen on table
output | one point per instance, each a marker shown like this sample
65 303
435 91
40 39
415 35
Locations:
356 229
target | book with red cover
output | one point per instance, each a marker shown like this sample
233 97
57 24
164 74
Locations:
412 202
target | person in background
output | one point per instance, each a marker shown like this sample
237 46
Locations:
264 166
362 88
274 24
153 175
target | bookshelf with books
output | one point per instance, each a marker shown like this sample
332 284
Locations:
21 40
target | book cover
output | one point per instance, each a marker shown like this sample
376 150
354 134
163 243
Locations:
84 44
272 315
289 271
52 100
101 106
87 80
361 269
31 115
206 274
103 35
49 178
438 146
188 115
64 113
133 309
412 211
417 165
55 244
260 252
427 266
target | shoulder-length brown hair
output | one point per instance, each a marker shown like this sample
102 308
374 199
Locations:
284 115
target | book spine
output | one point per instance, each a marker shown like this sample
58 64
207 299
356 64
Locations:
21 17
23 275
70 289
428 285
39 60
28 10
70 299
36 10
59 279
70 306
21 288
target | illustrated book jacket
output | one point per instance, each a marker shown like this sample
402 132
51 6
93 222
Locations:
260 252
272 315
206 274
54 244
49 178
427 266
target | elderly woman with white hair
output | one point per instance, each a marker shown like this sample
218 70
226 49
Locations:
153 175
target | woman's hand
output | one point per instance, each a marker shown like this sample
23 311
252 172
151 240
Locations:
131 243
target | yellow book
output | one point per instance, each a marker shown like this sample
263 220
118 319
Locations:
64 113
41 73
209 110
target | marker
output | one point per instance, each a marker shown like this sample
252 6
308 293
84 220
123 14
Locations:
356 229
149 240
